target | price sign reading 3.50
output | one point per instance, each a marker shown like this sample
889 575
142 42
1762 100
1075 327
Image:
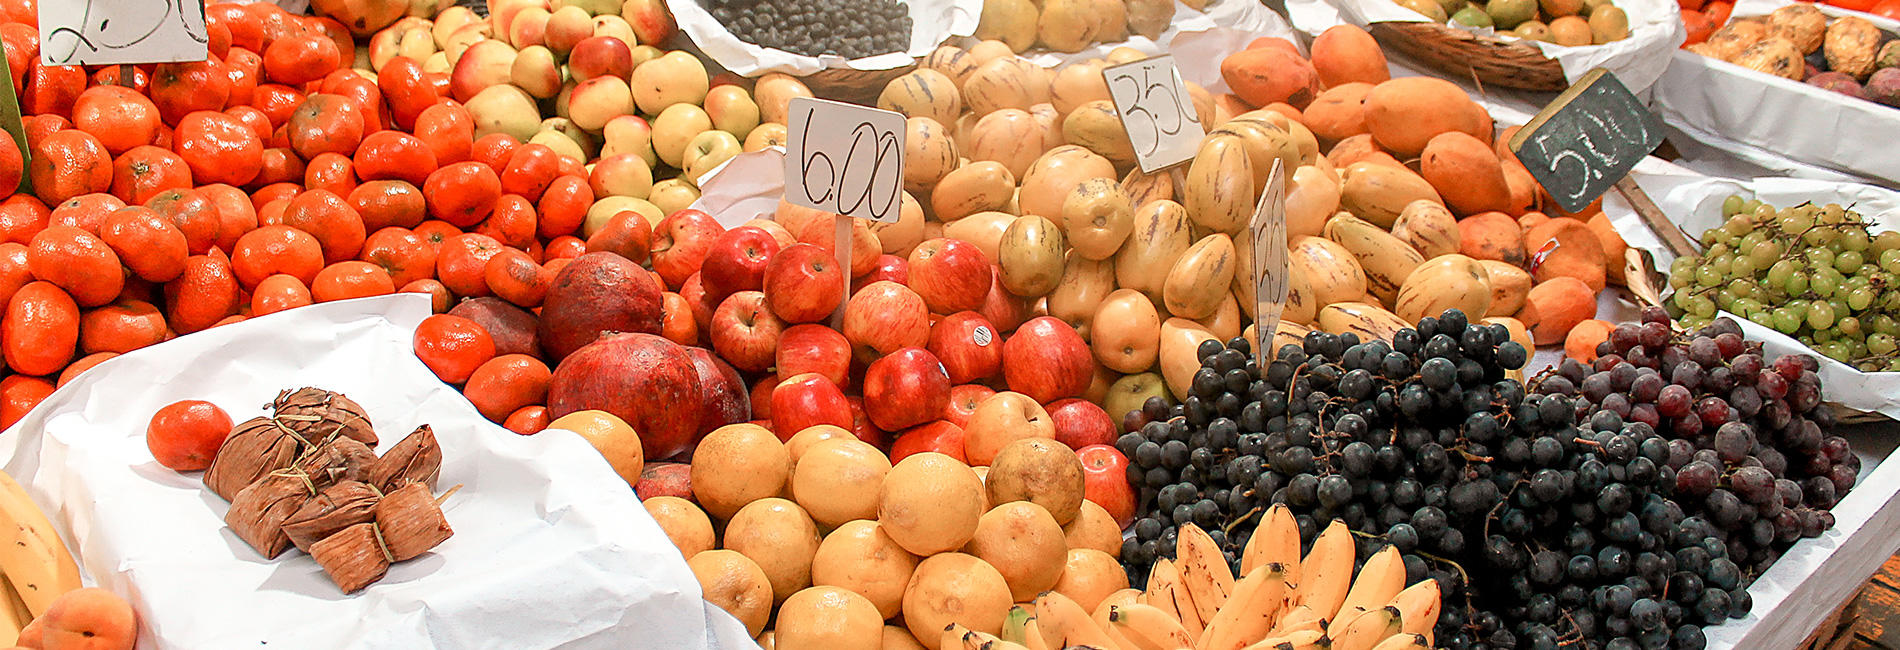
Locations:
1156 111
845 159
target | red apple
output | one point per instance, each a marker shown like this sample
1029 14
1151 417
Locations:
1105 481
702 305
643 378
889 267
905 388
745 333
1080 423
1046 360
863 428
823 233
762 396
600 56
680 244
963 402
969 347
651 21
951 274
722 391
815 348
1005 310
805 400
804 284
884 318
938 436
1002 419
665 480
737 260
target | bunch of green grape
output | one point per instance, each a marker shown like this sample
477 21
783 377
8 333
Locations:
1811 271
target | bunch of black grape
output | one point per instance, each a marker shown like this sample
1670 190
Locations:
847 28
1748 439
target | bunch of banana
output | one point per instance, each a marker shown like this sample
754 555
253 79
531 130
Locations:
1281 602
37 565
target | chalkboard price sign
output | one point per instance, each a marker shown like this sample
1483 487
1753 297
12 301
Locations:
845 159
1156 111
1587 139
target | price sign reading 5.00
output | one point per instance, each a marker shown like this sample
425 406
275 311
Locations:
1156 111
845 159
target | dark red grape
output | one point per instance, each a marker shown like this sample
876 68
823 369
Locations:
1673 401
1753 484
1646 387
1789 366
1836 448
1655 335
1733 442
1704 351
1712 410
1654 315
1745 367
1696 479
1771 384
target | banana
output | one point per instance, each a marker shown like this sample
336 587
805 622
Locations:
1167 593
1013 623
1418 607
1367 630
1204 570
1119 598
1301 640
1032 636
973 640
1379 581
1275 541
12 619
36 562
1328 268
1404 642
1298 619
1326 573
1250 612
1385 259
1063 623
1147 628
952 636
1367 320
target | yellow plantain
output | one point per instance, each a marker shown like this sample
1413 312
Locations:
1147 628
1404 642
1204 570
1275 541
1302 640
1386 260
1326 573
952 636
1367 630
1250 612
36 562
1418 607
1367 320
12 618
1379 581
1032 636
1296 619
1167 593
1064 623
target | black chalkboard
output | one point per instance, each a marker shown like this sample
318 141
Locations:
1587 139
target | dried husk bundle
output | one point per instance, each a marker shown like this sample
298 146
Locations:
254 449
319 414
354 557
411 521
416 457
340 506
258 512
341 459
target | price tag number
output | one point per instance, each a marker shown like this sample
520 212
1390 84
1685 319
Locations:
1587 139
1156 111
845 159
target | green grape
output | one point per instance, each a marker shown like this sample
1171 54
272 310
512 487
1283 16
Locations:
1857 349
1763 211
1886 241
1824 283
1839 305
1732 205
1820 315
1868 270
1860 298
1712 237
1847 261
1716 250
1702 306
1778 274
1893 366
1820 336
1794 223
1881 344
1763 253
1830 215
1836 351
1849 326
1738 226
1797 284
1725 301
1856 282
1885 324
1681 299
1854 239
1751 239
1890 259
1822 237
1818 256
1709 276
1786 321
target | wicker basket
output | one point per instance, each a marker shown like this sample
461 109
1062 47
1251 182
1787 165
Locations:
855 86
1464 54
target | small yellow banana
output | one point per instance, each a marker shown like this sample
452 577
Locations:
952 636
1379 581
1032 636
1250 612
1204 570
35 560
1102 611
1297 618
974 640
1147 628
1167 593
1276 540
12 618
1064 623
1326 573
1418 607
1301 640
1013 624
1404 642
1368 629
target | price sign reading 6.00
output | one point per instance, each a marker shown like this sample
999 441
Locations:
1156 111
845 159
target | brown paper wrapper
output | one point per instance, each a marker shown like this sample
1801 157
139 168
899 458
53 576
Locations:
411 521
354 557
416 457
254 449
319 415
341 459
258 512
340 506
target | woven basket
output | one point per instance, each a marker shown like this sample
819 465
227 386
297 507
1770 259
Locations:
1464 54
855 86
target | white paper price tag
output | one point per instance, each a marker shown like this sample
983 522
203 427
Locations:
1156 111
845 159
1271 278
94 32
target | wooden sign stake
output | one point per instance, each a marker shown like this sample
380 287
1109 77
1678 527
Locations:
841 237
1653 217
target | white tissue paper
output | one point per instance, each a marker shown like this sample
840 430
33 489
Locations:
1638 61
551 548
933 22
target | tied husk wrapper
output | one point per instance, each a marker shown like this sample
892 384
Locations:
319 415
254 449
354 557
258 512
341 459
340 506
416 458
411 521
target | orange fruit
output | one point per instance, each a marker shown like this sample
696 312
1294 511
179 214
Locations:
453 347
51 88
448 131
121 327
389 203
119 117
506 384
184 436
463 193
277 102
513 276
140 174
281 165
401 253
201 214
438 295
394 155
276 249
527 420
277 293
329 218
494 150
611 436
219 148
147 243
86 211
251 117
21 217
78 262
462 264
69 163
300 59
332 172
564 247
18 395
407 89
243 69
180 89
80 366
351 279
512 222
14 271
434 233
40 330
531 168
204 295
326 124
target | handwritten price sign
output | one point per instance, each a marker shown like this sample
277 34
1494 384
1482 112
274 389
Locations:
1271 278
1587 139
94 32
1156 111
845 159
